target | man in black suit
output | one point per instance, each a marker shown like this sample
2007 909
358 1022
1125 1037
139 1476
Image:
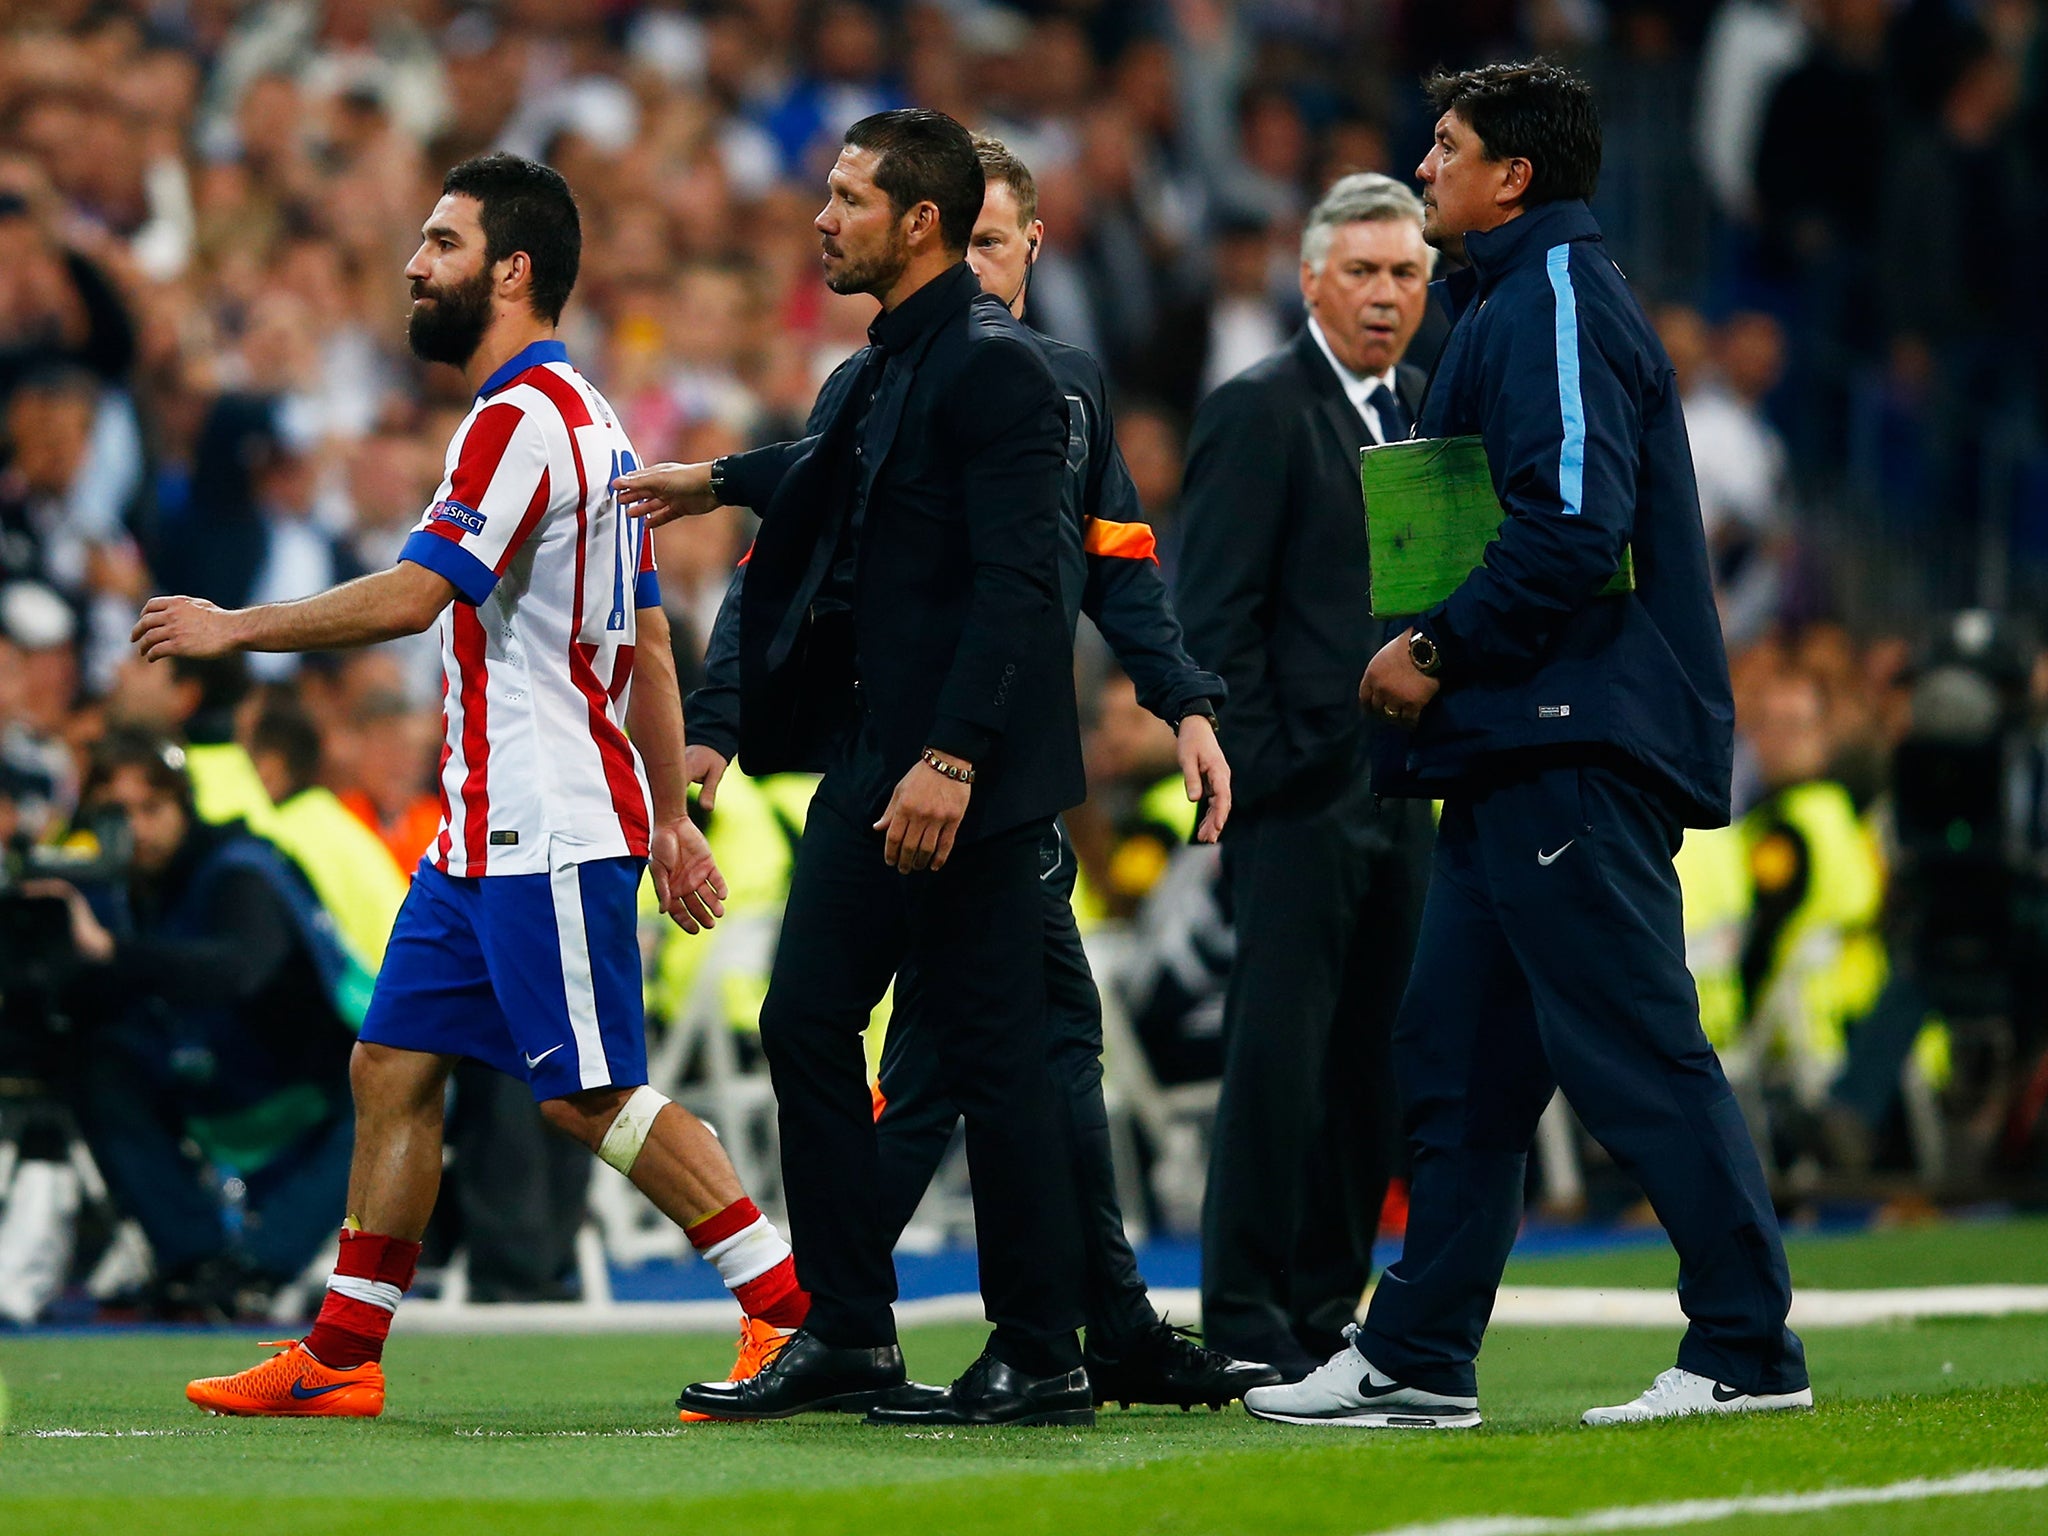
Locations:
901 626
1324 886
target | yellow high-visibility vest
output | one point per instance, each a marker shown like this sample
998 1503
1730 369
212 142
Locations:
1844 897
351 870
1713 878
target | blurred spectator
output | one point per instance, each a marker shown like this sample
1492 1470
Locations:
846 80
358 882
299 557
1750 45
66 498
213 989
1812 963
1969 192
42 781
1224 332
1653 195
1744 473
57 305
392 765
37 640
330 48
1151 439
194 703
1831 112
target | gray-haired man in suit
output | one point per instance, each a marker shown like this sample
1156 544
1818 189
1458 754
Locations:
1324 886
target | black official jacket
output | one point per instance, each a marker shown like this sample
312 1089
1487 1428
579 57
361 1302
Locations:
1273 582
956 638
1108 570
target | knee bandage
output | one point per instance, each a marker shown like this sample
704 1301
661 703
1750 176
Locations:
628 1134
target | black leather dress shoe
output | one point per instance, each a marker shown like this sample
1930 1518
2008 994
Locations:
1165 1364
990 1392
806 1376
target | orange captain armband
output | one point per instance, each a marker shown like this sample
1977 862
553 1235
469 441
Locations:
1123 541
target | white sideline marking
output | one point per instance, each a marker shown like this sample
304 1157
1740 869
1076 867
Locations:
645 1316
1663 1517
1585 1306
570 1434
1532 1305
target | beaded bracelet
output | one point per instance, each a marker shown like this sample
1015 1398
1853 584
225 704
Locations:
952 771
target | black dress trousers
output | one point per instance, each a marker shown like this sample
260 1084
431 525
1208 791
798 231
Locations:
974 932
1325 902
918 1116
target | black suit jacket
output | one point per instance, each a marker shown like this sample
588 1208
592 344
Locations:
957 637
1273 583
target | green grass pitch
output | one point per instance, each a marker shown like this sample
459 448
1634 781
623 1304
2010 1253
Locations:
495 1434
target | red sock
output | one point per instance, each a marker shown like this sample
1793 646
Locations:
370 1275
754 1261
776 1297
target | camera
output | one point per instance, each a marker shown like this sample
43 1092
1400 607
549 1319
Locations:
1964 868
37 958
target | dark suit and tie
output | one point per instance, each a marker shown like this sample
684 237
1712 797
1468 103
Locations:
1324 886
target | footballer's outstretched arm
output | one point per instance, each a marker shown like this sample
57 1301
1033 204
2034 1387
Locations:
404 600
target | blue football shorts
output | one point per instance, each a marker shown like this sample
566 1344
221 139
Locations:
535 975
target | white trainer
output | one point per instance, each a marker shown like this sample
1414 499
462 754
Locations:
1676 1394
1348 1392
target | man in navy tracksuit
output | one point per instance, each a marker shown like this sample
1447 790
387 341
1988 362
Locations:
1572 737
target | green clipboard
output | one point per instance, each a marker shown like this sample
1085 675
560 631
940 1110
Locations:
1430 512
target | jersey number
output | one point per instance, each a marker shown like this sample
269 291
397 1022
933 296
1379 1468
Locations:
629 534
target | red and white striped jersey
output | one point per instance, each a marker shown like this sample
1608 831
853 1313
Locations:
537 650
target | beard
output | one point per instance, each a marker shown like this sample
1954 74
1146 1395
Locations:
451 327
877 274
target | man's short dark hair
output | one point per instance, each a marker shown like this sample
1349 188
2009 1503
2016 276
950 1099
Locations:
526 206
1535 111
286 731
1000 163
223 680
925 156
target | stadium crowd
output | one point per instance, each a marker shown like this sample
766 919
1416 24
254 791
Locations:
1835 209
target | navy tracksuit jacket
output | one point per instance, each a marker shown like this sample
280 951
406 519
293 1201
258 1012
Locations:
1573 738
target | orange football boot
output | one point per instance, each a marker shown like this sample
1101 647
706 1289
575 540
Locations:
292 1384
759 1343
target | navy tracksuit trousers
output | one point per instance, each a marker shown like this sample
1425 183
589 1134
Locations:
1552 955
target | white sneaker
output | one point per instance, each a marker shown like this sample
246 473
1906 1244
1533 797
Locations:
1677 1393
1347 1391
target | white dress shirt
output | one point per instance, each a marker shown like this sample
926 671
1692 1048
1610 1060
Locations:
1357 386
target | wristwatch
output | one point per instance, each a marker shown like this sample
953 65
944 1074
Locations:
1425 653
718 467
1200 707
